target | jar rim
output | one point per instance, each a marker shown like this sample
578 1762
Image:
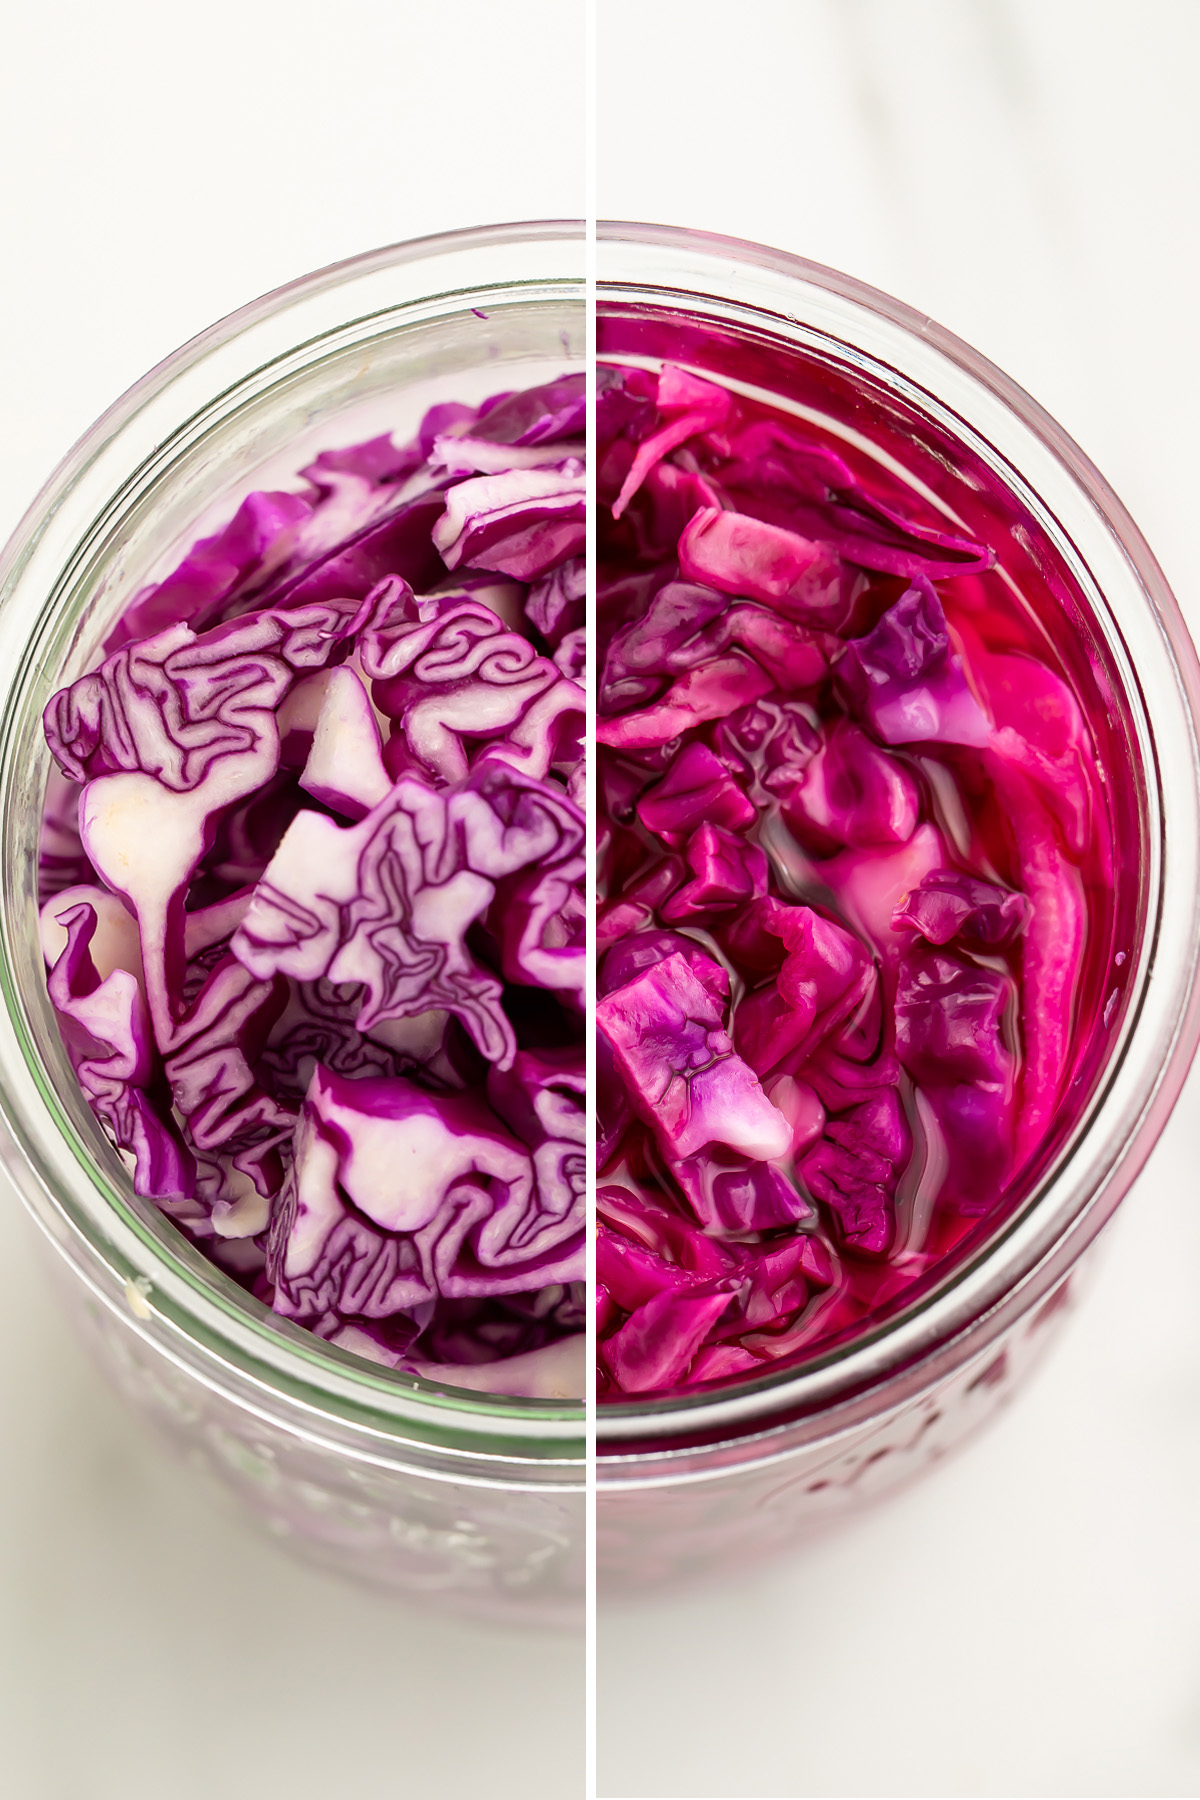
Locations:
718 280
194 1313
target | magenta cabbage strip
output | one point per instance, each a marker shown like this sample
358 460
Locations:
845 807
312 901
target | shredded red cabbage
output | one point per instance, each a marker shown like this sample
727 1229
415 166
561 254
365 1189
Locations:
847 810
312 894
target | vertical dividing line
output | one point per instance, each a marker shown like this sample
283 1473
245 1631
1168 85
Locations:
589 76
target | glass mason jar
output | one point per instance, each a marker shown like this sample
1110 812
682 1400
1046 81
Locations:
702 1480
471 1498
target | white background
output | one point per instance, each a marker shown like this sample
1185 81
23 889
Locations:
159 165
1027 1622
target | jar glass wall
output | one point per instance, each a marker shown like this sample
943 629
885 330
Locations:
475 1497
688 1480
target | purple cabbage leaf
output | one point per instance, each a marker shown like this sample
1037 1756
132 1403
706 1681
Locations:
679 1065
387 903
398 1197
106 1028
906 680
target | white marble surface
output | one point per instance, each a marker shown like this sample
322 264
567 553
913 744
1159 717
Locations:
1027 1622
159 165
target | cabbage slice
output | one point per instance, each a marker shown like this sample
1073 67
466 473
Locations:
312 868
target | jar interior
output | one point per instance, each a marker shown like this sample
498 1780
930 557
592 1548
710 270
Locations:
912 453
368 376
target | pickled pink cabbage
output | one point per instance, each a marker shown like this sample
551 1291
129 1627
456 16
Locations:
845 809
